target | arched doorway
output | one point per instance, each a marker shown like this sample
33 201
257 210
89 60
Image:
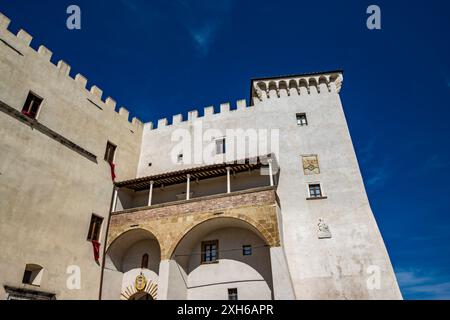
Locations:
224 258
132 266
141 296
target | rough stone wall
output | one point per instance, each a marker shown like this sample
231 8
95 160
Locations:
169 223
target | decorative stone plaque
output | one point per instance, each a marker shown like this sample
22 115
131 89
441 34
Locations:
324 231
311 165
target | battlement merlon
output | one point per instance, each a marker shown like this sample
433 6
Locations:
300 84
21 44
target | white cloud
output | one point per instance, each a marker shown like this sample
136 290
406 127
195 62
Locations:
417 284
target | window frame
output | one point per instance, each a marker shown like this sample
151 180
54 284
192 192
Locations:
32 275
203 254
300 117
109 145
233 294
31 96
223 150
245 249
314 197
92 225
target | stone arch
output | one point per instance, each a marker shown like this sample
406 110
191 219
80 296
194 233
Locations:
323 83
151 289
313 85
283 88
261 90
271 239
119 234
273 90
119 245
334 82
293 87
303 86
230 235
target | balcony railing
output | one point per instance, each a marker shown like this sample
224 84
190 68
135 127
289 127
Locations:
195 184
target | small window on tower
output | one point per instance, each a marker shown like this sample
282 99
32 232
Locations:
301 119
32 106
95 228
180 158
233 294
315 191
221 146
110 152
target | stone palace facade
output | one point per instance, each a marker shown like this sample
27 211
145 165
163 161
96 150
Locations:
254 201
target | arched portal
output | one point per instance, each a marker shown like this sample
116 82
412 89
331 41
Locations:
132 266
224 258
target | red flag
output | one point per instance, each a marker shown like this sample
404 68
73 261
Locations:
113 171
96 246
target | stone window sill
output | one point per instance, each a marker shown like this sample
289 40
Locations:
317 198
212 262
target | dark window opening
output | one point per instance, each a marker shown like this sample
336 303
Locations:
27 277
110 152
144 261
247 250
210 251
95 228
32 106
301 119
315 191
32 275
180 158
233 294
221 147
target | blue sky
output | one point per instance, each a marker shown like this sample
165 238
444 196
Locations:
161 57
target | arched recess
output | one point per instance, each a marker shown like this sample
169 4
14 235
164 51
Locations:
284 92
323 84
261 91
250 274
124 264
313 86
303 87
273 90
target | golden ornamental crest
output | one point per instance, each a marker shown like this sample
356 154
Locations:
140 283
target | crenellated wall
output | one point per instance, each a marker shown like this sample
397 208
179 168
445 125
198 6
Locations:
53 176
20 44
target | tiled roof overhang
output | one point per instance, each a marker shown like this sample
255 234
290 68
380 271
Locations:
197 173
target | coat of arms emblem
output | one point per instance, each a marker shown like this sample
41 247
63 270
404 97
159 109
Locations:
140 282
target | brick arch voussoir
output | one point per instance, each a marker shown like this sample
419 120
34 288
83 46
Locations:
267 236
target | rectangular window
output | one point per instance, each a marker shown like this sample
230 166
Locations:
32 106
110 152
210 251
247 250
32 275
315 191
233 294
221 146
301 119
180 158
95 228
